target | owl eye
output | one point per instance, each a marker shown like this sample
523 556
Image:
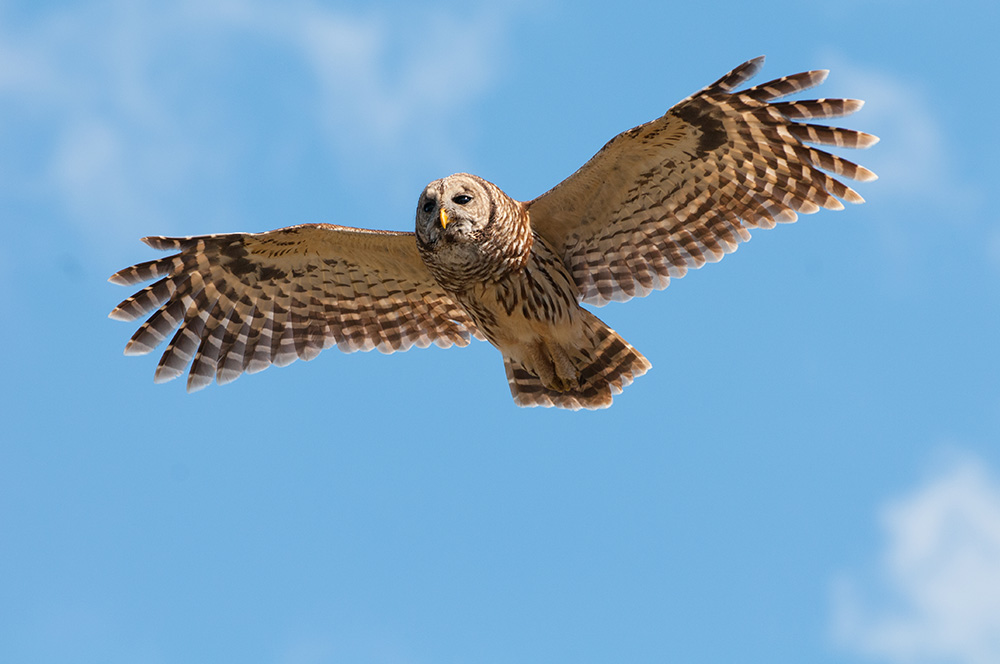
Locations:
461 199
428 206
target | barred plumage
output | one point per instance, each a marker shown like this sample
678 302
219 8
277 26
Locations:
604 364
243 301
685 189
656 201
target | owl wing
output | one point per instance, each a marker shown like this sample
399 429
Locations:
243 301
684 189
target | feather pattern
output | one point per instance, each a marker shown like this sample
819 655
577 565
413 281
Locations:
686 189
241 302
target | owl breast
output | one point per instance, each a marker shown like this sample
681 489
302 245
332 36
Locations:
529 301
457 266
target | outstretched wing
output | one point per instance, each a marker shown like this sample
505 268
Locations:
243 301
684 189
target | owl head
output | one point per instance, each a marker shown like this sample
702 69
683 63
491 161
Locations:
468 230
454 210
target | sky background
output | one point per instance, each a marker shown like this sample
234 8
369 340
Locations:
809 473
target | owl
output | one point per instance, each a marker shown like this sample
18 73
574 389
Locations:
654 202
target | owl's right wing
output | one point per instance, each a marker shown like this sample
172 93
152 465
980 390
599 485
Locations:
243 301
686 188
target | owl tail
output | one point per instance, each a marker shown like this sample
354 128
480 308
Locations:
603 364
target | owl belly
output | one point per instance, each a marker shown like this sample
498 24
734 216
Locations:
531 315
540 298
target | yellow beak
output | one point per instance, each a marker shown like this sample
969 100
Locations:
444 219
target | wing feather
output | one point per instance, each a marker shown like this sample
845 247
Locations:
241 302
685 189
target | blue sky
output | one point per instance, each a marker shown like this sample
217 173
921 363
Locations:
810 471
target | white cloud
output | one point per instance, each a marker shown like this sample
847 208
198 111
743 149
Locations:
922 190
403 103
913 159
90 157
133 100
936 594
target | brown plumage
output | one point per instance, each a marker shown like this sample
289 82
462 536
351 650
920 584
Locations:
657 200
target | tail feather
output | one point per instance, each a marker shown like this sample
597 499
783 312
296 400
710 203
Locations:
604 366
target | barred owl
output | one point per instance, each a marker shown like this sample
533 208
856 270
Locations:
657 200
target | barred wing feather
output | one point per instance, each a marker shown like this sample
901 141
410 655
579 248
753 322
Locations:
241 302
685 189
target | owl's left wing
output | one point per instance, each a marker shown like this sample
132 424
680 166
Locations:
684 189
244 301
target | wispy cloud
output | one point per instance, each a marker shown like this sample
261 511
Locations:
408 108
383 78
913 159
132 101
922 192
936 593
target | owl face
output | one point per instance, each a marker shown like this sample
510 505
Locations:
453 211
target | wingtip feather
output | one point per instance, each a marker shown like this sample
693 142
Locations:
136 348
865 175
751 67
163 375
162 242
197 383
867 140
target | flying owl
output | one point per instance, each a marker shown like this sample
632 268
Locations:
657 200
